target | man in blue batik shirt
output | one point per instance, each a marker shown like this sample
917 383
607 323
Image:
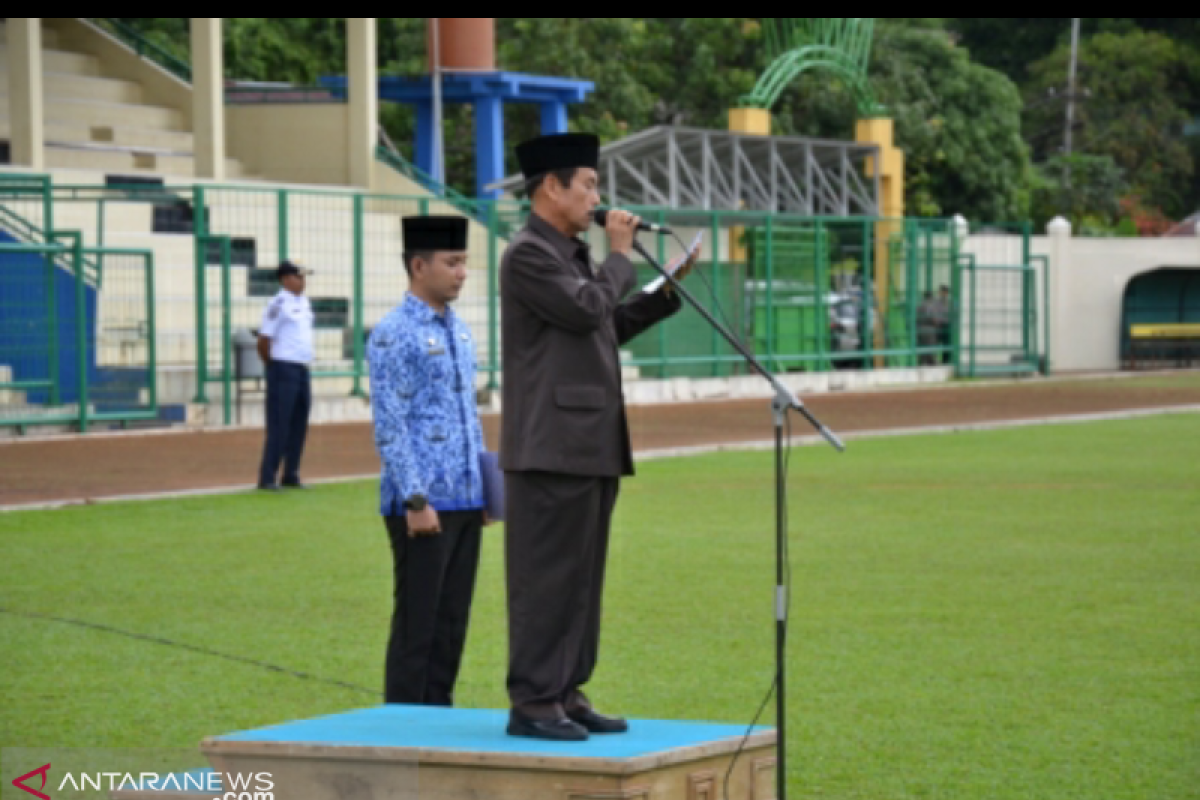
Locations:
427 431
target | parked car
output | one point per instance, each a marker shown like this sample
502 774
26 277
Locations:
845 323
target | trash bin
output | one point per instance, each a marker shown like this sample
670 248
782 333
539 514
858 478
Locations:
247 363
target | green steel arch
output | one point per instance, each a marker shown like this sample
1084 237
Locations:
839 46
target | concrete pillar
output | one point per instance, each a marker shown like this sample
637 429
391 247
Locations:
756 122
25 95
363 101
881 131
208 97
1058 304
962 229
750 120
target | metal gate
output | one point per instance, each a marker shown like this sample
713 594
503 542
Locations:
1000 329
77 326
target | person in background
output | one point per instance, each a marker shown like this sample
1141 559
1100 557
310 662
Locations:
285 343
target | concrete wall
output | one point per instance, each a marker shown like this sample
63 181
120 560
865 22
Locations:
1088 280
1087 284
303 143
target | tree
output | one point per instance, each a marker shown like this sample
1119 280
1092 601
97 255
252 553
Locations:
1086 189
1138 86
958 122
611 52
1012 44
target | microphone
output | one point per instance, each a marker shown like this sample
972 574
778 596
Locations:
600 215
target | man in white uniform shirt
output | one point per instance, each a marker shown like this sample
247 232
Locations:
285 343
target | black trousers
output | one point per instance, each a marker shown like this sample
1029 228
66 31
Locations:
289 400
944 341
435 580
556 546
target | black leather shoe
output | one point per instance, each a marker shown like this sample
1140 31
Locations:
593 722
557 730
268 487
296 485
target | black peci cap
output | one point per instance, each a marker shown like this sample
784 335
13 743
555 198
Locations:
434 233
558 151
290 268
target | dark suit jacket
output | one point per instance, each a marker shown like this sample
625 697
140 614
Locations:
561 324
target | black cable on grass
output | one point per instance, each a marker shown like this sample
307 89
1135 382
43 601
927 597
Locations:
194 649
749 730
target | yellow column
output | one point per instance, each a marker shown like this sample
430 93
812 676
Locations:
755 121
750 120
363 98
26 104
208 97
881 132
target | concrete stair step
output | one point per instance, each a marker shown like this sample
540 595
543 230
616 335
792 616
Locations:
130 161
49 35
70 133
62 61
84 87
99 113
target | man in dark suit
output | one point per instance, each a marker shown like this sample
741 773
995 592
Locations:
564 436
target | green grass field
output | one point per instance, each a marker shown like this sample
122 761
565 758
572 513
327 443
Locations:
1013 614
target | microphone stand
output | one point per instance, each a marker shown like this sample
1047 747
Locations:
784 400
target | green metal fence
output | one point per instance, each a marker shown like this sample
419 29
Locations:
807 294
74 351
1002 330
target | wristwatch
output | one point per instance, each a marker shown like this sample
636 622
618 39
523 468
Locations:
416 503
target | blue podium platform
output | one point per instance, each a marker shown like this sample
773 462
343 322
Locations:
467 730
459 754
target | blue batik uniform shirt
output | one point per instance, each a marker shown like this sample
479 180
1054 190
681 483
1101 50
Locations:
427 428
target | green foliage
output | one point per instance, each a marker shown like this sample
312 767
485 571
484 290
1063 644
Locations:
958 123
1126 228
602 50
1079 187
1137 87
1012 44
958 112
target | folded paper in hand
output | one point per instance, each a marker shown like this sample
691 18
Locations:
693 252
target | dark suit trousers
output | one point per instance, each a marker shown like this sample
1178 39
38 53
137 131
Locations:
289 400
435 580
556 545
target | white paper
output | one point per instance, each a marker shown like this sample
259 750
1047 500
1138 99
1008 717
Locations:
671 268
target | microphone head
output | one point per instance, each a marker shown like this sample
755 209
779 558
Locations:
600 217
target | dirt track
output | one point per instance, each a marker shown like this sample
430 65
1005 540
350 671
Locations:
45 471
